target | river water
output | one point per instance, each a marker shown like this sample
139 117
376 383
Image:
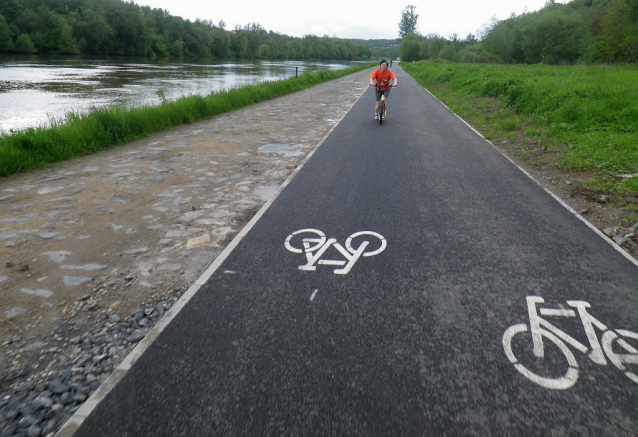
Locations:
36 90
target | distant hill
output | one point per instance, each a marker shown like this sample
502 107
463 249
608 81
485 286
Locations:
386 48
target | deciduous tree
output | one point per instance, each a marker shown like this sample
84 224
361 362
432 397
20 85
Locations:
408 23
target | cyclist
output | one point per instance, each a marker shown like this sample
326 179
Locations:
380 79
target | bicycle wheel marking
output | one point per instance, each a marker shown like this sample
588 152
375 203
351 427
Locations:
599 350
314 244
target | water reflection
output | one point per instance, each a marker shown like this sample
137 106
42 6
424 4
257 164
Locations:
35 90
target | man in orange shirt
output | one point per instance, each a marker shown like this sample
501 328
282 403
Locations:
381 78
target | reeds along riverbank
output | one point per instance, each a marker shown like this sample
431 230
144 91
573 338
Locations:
81 134
586 114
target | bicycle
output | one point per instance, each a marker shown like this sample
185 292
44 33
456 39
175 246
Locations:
382 110
600 350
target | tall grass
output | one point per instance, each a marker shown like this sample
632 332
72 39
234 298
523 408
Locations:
83 133
590 113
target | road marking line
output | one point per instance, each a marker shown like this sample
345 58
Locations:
314 293
613 244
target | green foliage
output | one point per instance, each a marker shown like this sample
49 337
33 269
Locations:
23 44
408 23
416 47
581 31
409 51
380 48
80 134
618 38
118 27
591 110
6 42
589 31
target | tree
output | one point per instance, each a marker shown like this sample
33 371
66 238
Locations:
6 42
409 50
408 22
24 45
619 35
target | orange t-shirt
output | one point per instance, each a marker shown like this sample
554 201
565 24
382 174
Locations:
383 79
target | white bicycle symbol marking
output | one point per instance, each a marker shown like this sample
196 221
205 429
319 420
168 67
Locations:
315 244
599 349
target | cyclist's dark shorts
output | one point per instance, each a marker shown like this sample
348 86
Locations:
385 93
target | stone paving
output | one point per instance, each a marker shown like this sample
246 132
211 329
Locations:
96 237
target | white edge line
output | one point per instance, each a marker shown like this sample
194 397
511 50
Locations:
558 199
75 421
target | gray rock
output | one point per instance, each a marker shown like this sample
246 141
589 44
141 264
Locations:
136 336
79 397
50 427
86 267
48 235
622 241
43 401
610 232
190 216
12 312
66 398
41 292
50 190
34 431
73 281
58 387
57 256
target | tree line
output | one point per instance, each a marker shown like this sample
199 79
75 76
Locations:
120 28
587 31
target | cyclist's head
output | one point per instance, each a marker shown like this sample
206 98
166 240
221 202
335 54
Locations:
383 61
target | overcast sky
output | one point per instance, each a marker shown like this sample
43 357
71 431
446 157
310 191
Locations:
348 18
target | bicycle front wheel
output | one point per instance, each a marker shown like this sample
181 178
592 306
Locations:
620 352
560 383
381 111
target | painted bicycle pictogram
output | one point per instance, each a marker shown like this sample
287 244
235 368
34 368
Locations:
613 346
314 244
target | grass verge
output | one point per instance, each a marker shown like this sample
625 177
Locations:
81 134
579 120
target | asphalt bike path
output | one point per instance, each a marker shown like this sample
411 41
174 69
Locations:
397 286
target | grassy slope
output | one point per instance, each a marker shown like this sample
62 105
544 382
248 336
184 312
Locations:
81 134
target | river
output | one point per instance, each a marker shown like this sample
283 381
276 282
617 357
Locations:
36 90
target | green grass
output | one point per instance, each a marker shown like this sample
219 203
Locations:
81 134
586 115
